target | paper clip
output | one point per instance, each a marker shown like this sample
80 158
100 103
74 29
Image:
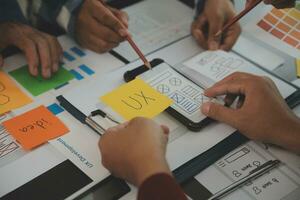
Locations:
96 126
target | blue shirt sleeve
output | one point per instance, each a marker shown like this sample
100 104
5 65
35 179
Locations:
199 7
11 11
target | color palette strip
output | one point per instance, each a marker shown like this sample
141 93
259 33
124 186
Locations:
78 51
86 69
284 25
76 74
55 109
68 56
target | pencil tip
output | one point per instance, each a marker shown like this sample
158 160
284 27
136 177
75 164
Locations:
147 64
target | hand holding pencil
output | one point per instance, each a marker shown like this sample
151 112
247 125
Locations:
215 15
101 28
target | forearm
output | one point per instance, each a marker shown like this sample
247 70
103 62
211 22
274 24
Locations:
160 186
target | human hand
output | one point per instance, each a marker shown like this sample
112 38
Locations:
135 150
215 15
261 112
40 49
276 3
100 28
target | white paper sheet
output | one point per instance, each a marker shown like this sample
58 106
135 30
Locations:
154 24
212 66
257 54
280 183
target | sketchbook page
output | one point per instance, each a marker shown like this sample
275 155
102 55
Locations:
210 67
281 183
183 144
155 24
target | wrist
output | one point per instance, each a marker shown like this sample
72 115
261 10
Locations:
148 168
289 136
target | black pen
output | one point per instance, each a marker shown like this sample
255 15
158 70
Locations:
254 174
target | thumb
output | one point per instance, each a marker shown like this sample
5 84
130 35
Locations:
215 25
220 113
165 129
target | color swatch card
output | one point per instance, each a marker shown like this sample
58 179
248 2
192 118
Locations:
298 67
38 85
136 99
284 25
11 96
35 127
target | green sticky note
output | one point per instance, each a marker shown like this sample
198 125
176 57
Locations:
38 85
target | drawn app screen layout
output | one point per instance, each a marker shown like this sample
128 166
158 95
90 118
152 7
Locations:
187 96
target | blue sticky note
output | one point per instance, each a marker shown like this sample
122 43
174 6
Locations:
69 57
76 74
78 51
55 109
86 69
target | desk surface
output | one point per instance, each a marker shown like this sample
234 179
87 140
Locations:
286 71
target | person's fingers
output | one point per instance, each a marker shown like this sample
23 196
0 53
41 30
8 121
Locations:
44 54
103 32
98 45
107 18
165 129
241 101
55 52
215 25
220 113
232 77
229 99
197 31
230 37
121 15
29 48
236 87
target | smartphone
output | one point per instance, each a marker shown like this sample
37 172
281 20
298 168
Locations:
186 95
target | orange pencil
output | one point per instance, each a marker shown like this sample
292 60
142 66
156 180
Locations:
238 17
133 45
139 52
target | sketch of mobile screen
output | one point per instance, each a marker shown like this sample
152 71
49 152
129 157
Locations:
186 95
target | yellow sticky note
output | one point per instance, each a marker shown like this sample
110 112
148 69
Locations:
298 67
136 99
11 96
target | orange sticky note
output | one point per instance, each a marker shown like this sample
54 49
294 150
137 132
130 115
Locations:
11 96
35 127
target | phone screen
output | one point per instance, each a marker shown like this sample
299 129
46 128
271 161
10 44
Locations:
186 95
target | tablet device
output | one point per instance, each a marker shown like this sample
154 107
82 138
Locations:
186 95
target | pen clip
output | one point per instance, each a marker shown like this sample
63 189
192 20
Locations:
266 164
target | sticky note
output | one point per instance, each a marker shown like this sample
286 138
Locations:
11 96
298 67
38 85
35 127
136 99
